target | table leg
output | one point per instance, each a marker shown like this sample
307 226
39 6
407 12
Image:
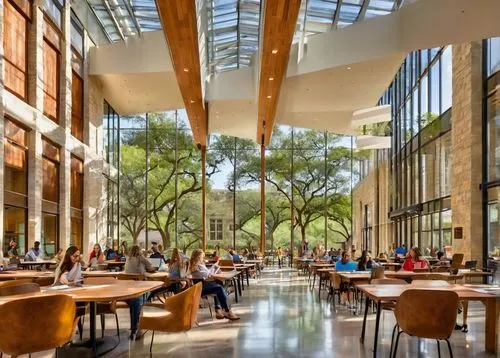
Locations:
362 338
491 324
93 314
247 272
377 324
242 280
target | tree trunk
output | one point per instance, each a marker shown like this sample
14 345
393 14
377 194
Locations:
165 238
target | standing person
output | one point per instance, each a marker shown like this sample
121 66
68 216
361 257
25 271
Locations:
200 273
414 261
279 253
69 271
34 254
96 257
136 264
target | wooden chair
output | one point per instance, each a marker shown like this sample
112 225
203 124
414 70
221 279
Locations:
44 281
377 273
427 314
19 289
178 315
16 282
388 281
41 331
456 261
229 263
104 308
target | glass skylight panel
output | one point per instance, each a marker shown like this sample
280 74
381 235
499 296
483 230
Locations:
349 13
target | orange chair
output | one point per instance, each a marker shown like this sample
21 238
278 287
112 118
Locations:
430 314
178 315
228 263
19 289
41 331
456 261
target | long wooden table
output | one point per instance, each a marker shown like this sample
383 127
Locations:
231 276
122 290
385 293
155 276
31 264
24 274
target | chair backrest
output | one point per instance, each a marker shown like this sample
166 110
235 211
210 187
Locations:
427 313
456 261
226 263
377 273
17 282
430 283
19 289
472 264
388 281
29 331
184 306
336 280
44 281
131 276
99 280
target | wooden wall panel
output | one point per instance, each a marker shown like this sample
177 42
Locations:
77 106
180 27
280 18
50 81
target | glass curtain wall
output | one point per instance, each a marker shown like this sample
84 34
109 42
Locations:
491 126
420 96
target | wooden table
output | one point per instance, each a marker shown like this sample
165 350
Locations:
314 266
385 293
31 264
245 267
153 276
24 274
470 274
231 276
118 264
410 276
122 290
323 274
354 277
392 265
241 279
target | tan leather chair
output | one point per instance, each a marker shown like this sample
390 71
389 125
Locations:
178 314
104 308
377 273
229 263
427 314
456 261
17 282
41 331
19 289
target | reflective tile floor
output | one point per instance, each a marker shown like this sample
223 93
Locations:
282 317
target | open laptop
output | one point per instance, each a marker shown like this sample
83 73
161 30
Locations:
155 262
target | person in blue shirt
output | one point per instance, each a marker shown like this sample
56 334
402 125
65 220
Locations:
235 256
34 254
401 250
345 263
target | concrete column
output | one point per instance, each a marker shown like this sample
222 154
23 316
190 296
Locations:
466 149
65 73
35 58
35 185
2 75
64 199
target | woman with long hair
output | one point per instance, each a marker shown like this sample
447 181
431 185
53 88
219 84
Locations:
414 260
69 271
96 256
365 262
176 270
200 272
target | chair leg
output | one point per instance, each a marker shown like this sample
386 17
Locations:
392 339
80 327
449 348
103 325
151 345
439 348
396 344
117 326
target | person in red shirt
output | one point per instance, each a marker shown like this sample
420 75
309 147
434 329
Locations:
414 260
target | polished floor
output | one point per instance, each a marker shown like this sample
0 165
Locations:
282 317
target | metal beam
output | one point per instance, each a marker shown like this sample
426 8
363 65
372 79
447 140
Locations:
336 15
132 15
113 18
362 12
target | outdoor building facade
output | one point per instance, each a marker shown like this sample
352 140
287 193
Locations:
440 192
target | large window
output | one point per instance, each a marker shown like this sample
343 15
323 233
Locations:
51 70
15 185
110 125
15 42
216 229
50 195
76 202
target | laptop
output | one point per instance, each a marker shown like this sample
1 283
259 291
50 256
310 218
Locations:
155 262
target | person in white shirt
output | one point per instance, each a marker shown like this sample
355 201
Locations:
69 271
35 253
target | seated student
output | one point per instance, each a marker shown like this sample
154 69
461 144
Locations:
176 270
136 264
96 257
34 254
109 253
13 249
200 272
365 262
443 261
156 253
345 263
414 260
234 256
401 250
69 271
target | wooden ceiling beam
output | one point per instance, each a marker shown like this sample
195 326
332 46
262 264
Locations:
179 24
280 18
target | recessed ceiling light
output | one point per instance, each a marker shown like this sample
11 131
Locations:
186 70
349 67
271 78
192 101
274 51
268 97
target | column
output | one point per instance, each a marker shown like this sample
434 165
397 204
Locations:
65 199
1 133
35 186
65 73
466 150
35 58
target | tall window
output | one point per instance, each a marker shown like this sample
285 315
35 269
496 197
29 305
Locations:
76 202
50 195
216 229
51 69
17 14
110 125
15 186
77 78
